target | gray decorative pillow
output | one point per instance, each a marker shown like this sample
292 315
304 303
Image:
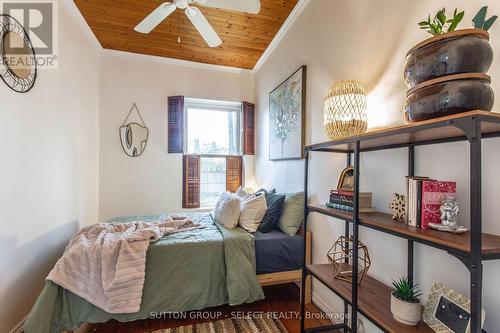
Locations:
274 205
292 215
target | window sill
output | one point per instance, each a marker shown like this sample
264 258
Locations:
198 210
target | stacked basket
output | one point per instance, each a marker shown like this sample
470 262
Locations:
446 75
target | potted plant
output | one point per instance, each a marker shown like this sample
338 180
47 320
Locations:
450 51
446 73
405 306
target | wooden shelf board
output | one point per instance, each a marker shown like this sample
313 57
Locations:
437 129
374 299
384 223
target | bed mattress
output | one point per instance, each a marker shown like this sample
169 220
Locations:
275 251
190 270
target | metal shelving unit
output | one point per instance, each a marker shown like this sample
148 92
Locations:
372 298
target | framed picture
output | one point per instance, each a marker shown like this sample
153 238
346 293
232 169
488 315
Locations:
447 311
346 180
287 118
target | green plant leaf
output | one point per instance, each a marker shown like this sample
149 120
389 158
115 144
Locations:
487 25
456 20
480 17
406 290
441 17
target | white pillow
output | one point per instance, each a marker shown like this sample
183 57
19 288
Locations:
253 209
242 194
227 210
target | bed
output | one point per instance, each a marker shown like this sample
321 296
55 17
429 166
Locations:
210 266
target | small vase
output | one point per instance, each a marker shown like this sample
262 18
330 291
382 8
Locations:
404 312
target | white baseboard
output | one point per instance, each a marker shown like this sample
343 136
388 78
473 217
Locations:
322 305
19 327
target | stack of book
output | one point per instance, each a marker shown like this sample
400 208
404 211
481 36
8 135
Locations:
424 196
344 200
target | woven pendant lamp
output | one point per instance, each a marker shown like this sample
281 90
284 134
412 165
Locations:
345 110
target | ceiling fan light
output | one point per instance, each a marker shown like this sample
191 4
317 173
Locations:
182 4
191 11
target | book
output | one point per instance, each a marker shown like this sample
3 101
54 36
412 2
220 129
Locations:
411 206
349 208
341 202
432 194
412 198
347 198
343 198
419 203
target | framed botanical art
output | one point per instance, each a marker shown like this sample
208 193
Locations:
287 118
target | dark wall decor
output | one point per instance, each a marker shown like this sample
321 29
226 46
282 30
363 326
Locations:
287 118
18 67
134 136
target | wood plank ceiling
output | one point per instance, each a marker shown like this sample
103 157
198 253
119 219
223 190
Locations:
245 36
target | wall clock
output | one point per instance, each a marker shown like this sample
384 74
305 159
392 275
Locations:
18 67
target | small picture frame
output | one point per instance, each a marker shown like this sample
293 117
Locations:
448 311
346 180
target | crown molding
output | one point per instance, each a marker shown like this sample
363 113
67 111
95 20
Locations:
172 61
80 21
281 33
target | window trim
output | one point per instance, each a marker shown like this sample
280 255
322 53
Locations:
215 105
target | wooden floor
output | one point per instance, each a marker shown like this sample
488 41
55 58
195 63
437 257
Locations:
282 300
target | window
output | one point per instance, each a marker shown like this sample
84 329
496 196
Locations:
213 130
212 179
212 127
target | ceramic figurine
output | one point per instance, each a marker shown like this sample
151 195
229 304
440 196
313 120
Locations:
449 216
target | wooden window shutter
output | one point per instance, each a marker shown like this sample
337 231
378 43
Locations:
248 128
176 124
191 181
234 173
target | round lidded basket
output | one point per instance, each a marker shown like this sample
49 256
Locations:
345 110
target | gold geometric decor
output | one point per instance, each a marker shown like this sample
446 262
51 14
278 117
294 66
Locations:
340 257
345 110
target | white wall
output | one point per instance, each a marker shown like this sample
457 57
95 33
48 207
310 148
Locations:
151 183
49 168
367 41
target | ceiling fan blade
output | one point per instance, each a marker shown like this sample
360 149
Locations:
156 17
247 6
203 26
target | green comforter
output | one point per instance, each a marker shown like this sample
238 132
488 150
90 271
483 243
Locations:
187 271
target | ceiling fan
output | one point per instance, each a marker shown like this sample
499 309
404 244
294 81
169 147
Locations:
196 16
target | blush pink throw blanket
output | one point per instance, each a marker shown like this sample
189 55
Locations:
106 263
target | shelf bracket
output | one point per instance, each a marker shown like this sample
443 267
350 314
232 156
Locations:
470 126
465 260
